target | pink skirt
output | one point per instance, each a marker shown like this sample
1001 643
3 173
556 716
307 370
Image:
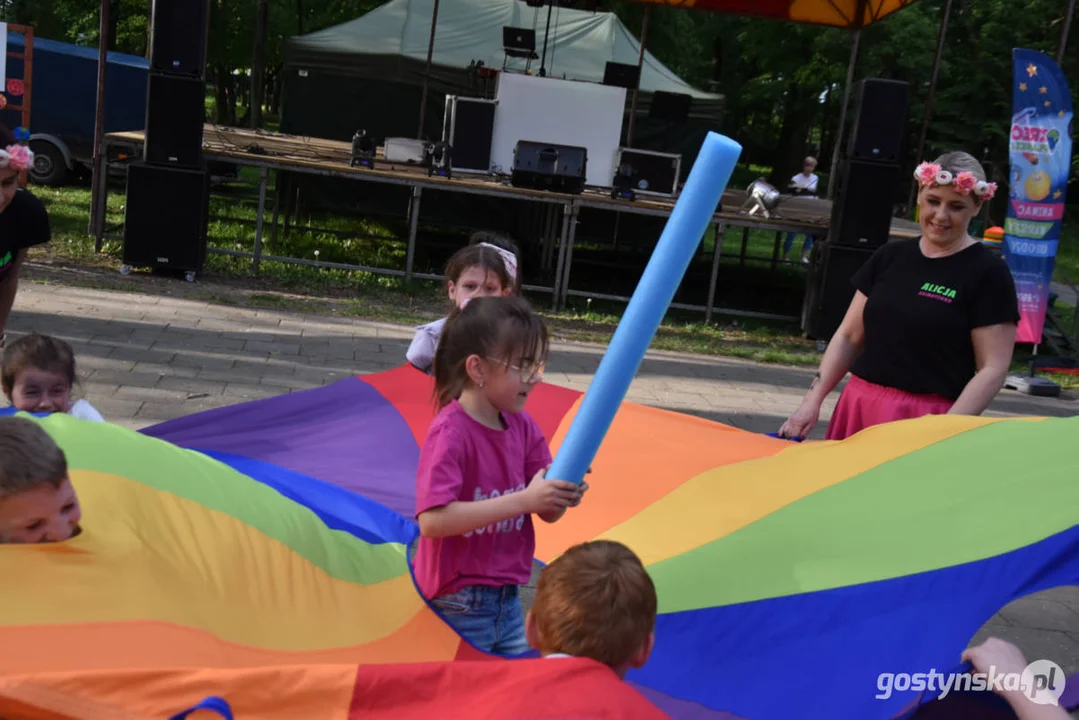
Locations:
863 404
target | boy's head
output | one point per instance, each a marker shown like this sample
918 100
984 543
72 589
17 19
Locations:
37 501
38 374
595 601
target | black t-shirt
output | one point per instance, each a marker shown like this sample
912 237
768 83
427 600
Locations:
23 223
921 311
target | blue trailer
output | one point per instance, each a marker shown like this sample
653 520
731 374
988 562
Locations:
63 100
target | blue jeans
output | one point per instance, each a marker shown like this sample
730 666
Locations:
789 243
488 617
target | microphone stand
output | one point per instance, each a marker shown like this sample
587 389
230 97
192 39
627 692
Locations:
543 60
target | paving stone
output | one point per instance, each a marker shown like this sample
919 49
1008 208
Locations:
248 391
143 394
203 361
219 342
192 386
1036 644
115 409
293 383
246 335
155 412
128 378
1041 613
163 369
92 390
136 355
273 348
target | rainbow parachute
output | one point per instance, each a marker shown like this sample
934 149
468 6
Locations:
259 553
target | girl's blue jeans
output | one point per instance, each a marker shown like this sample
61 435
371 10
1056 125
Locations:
488 617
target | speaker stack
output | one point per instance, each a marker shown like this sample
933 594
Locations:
862 209
168 190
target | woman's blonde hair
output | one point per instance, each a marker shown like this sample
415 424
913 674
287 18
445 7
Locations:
958 161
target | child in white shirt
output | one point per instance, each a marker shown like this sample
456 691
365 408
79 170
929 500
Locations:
804 184
38 375
486 267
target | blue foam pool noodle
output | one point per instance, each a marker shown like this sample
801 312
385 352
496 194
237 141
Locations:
682 234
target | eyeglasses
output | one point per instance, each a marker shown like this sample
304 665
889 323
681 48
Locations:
531 373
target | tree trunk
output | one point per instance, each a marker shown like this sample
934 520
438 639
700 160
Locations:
149 26
791 147
221 94
114 20
258 62
275 100
299 17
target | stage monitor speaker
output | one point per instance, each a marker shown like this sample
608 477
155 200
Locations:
547 166
469 128
166 216
519 42
880 120
654 173
865 198
622 75
669 107
829 289
175 112
179 36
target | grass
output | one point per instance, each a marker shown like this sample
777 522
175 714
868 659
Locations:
71 259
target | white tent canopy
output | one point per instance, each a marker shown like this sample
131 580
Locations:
579 45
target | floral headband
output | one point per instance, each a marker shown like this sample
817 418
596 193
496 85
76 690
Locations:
508 259
18 157
931 174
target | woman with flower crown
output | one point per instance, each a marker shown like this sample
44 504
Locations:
24 222
932 325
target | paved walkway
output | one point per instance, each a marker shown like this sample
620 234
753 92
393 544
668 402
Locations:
148 358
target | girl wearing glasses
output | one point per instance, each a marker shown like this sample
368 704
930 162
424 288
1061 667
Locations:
481 473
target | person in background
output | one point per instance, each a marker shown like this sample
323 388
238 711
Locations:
997 657
24 222
37 501
486 267
38 376
804 184
932 325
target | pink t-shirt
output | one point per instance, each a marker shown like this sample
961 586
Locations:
464 460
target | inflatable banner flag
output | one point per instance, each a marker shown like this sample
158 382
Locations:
1040 152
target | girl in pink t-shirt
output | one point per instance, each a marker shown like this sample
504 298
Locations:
481 473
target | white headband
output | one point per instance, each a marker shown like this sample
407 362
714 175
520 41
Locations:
508 259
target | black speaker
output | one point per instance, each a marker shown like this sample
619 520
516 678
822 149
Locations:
862 211
654 172
165 217
175 112
622 75
829 289
546 166
669 107
880 120
178 37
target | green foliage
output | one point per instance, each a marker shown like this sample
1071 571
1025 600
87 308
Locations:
783 82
